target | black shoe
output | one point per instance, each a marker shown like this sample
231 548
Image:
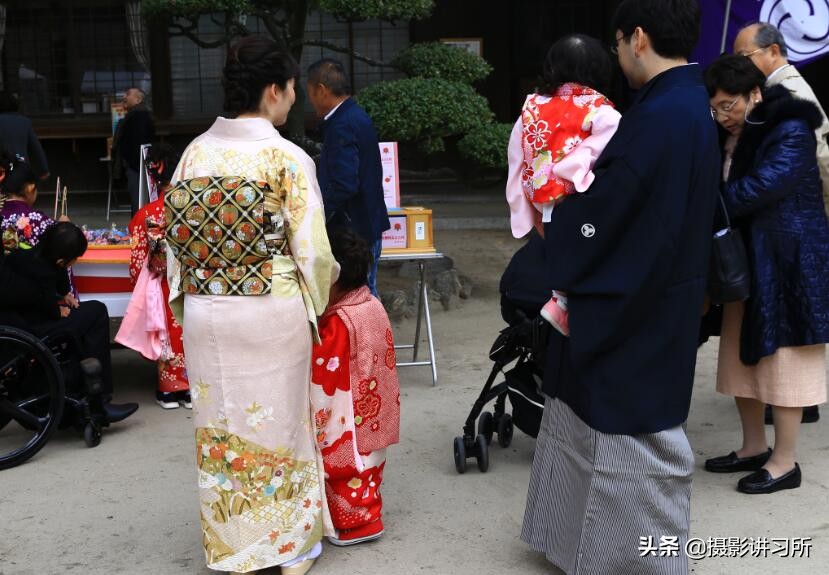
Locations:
731 463
167 399
810 415
116 412
761 481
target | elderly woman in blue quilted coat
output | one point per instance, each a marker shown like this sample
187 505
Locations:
772 346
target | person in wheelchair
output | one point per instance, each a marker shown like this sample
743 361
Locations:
35 297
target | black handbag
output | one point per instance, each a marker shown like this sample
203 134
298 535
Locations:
729 278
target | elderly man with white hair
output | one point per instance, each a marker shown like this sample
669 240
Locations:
766 47
134 130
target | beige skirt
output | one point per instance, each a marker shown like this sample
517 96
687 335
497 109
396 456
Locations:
791 377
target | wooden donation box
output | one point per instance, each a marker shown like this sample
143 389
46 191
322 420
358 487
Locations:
411 228
410 232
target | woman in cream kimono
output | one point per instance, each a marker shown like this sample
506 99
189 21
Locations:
249 328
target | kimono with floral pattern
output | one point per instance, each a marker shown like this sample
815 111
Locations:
147 230
355 395
248 361
552 150
22 227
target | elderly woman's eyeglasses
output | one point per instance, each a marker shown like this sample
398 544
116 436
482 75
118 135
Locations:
614 49
724 109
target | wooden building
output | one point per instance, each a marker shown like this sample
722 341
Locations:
68 60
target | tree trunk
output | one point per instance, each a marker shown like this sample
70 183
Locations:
289 38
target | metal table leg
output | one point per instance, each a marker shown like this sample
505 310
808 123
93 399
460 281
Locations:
422 311
109 189
432 360
423 296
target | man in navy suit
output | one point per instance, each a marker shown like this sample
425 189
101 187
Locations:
612 464
350 172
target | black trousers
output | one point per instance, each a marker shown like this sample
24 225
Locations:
134 188
89 327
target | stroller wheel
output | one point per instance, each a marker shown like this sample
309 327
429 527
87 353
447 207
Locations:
91 434
505 430
460 455
483 453
486 425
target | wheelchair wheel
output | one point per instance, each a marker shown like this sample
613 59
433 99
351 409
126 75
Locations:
31 396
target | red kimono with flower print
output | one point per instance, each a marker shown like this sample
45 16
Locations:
147 231
355 397
553 126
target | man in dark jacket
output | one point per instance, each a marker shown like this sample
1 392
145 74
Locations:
18 137
133 131
350 172
632 255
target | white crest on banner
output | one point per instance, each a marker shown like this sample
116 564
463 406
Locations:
804 24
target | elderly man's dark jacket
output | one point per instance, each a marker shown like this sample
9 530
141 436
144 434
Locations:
632 253
133 131
774 196
350 173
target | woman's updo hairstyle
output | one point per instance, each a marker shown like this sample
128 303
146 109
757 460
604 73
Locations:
253 63
733 74
17 172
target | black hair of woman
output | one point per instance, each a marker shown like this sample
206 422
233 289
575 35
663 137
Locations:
17 174
578 59
733 74
62 243
254 63
354 256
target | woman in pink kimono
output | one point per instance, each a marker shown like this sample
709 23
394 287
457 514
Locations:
355 395
249 256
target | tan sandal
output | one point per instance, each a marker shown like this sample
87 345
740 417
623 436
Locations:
300 568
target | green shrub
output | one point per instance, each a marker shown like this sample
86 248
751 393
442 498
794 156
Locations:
486 145
392 10
424 111
436 60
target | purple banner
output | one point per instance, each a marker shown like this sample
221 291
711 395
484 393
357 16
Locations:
804 24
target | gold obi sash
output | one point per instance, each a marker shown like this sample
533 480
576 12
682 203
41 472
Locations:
225 240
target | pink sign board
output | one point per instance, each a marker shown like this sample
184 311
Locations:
395 236
391 174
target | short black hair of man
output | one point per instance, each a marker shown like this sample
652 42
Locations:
62 241
672 25
330 73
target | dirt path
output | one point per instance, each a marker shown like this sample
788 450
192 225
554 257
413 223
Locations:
129 506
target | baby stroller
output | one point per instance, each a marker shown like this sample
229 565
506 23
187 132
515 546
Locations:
45 385
523 343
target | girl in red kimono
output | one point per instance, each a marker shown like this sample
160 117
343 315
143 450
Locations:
556 142
147 230
355 395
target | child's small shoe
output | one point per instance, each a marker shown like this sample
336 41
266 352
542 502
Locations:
362 534
166 399
184 399
556 315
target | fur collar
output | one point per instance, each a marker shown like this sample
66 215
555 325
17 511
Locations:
778 106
